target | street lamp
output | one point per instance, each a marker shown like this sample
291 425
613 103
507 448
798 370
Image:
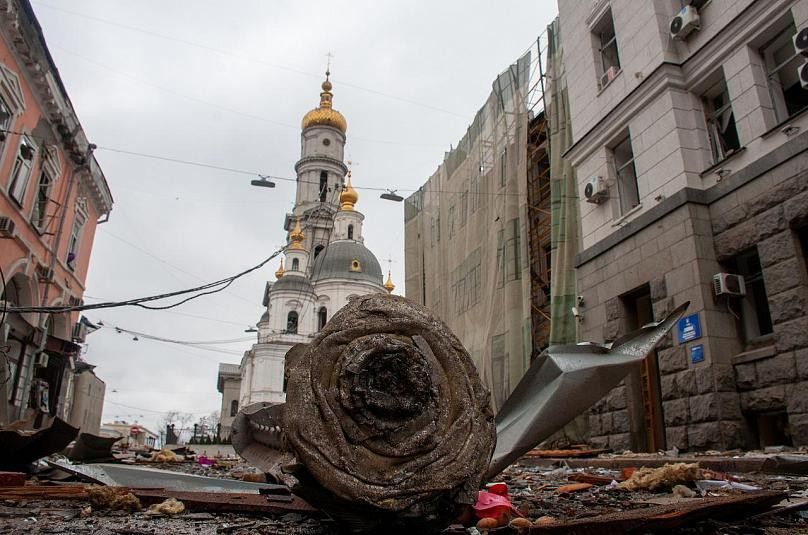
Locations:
263 182
391 196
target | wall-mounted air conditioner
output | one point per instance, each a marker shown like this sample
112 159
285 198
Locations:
685 22
7 227
801 42
596 190
728 284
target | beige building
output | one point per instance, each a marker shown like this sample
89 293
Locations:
133 435
690 148
228 383
88 399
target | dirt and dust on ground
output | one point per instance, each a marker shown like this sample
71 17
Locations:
605 494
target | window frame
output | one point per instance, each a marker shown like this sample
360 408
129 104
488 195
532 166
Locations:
784 39
603 26
292 314
618 178
754 282
39 213
14 178
714 115
74 240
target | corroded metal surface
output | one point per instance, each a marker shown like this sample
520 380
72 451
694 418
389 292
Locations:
664 517
19 448
563 382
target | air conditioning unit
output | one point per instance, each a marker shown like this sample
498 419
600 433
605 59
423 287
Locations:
802 72
79 332
801 42
41 360
728 284
7 227
596 190
44 273
607 76
686 21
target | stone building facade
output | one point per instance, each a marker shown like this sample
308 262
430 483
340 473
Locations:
699 147
53 194
228 383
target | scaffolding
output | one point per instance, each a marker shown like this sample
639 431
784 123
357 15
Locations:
470 229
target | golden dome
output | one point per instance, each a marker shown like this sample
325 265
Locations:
389 286
348 196
325 114
279 273
296 236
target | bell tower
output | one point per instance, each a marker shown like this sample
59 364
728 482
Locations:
321 170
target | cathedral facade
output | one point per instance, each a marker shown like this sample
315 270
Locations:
325 261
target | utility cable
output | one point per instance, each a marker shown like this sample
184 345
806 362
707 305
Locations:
205 289
275 177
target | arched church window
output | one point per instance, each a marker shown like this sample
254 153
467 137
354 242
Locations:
318 250
295 264
234 407
322 317
323 185
291 322
350 232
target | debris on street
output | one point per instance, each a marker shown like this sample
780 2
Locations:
666 476
113 498
170 506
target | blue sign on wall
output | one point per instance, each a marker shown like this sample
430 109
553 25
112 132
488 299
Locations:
697 353
689 328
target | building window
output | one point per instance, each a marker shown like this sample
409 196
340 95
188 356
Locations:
509 255
350 232
605 41
5 123
474 200
627 187
782 62
754 307
291 322
451 221
499 365
234 407
720 122
75 239
21 172
503 167
318 249
464 207
323 185
295 264
322 317
41 203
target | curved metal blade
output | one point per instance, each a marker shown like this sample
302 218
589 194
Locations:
563 382
257 436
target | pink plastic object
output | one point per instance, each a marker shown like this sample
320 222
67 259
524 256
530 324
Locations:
204 460
490 505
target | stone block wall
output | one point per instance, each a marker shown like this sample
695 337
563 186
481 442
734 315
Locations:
773 379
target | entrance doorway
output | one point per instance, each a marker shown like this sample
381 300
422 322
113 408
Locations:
645 384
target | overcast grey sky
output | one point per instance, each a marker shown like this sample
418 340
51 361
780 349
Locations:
227 83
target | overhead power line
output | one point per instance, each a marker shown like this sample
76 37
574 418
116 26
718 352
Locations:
199 291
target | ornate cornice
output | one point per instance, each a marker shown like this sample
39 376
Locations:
318 159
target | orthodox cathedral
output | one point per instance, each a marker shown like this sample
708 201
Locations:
325 262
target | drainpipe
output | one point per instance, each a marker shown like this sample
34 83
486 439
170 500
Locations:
42 321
